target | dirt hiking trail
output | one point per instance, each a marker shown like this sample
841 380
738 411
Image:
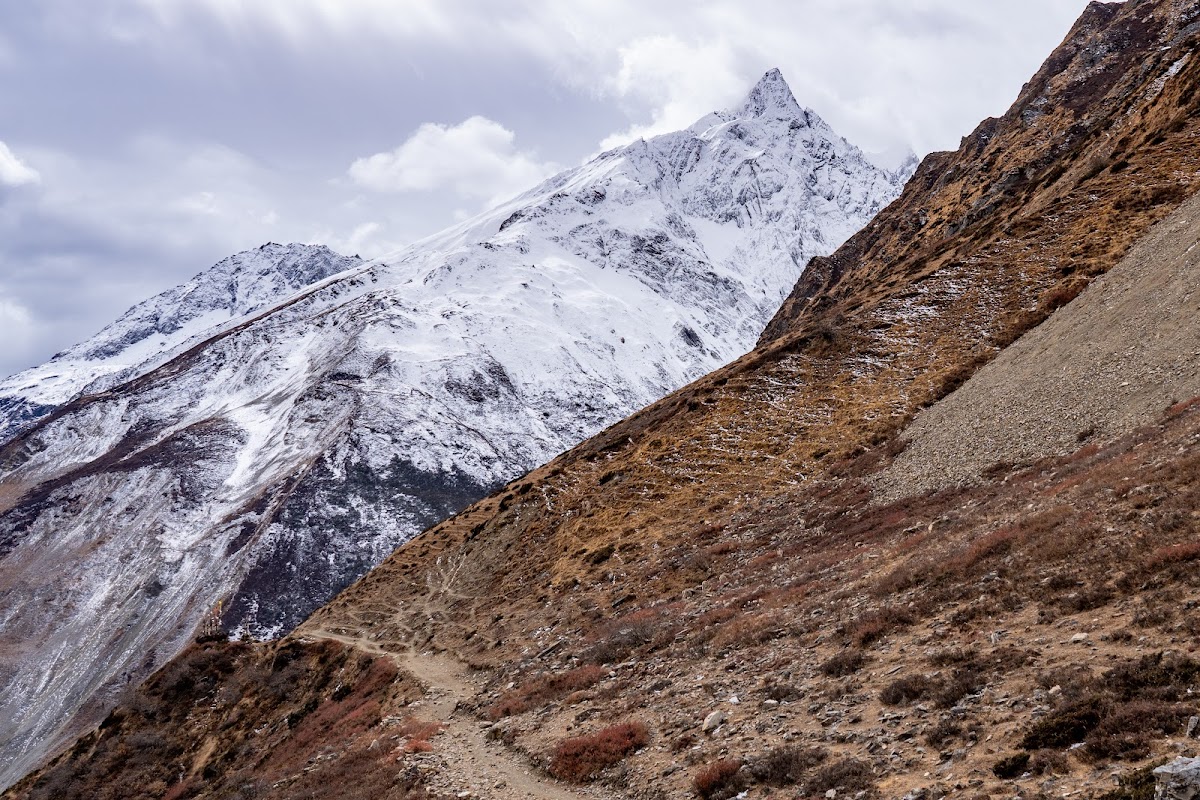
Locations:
468 764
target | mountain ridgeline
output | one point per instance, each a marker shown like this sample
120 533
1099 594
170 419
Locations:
332 410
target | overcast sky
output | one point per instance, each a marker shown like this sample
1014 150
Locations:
143 140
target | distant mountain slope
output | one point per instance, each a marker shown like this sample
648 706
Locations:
276 461
154 330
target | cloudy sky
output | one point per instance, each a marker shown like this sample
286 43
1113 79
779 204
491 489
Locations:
143 140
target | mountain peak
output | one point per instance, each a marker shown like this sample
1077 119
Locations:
771 96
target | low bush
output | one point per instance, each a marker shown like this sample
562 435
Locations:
847 775
544 688
844 663
786 766
1010 767
719 780
581 758
908 689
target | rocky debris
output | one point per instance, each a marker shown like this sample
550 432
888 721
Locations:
1178 780
714 720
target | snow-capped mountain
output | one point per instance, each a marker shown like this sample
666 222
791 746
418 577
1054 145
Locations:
148 334
285 454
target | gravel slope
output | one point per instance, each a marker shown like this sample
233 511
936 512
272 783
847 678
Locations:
1108 362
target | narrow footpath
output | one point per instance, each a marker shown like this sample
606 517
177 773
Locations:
472 764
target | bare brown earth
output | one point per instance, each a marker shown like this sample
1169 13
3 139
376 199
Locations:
1030 633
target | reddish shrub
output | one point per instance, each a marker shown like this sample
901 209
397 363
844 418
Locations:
542 689
581 758
1173 554
719 780
418 732
877 624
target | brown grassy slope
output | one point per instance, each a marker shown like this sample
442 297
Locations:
228 720
983 243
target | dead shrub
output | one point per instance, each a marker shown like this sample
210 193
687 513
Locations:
581 758
908 689
844 663
1010 767
544 688
786 766
847 775
719 780
874 625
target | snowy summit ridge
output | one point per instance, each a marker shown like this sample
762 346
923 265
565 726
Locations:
146 335
281 454
771 97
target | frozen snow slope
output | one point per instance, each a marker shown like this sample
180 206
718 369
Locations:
149 333
279 459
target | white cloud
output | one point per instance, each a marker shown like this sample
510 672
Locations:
13 171
681 82
476 158
302 22
18 326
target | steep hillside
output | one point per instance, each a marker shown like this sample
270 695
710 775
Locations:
1099 368
276 461
713 597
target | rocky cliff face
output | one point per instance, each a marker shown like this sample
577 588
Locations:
280 457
